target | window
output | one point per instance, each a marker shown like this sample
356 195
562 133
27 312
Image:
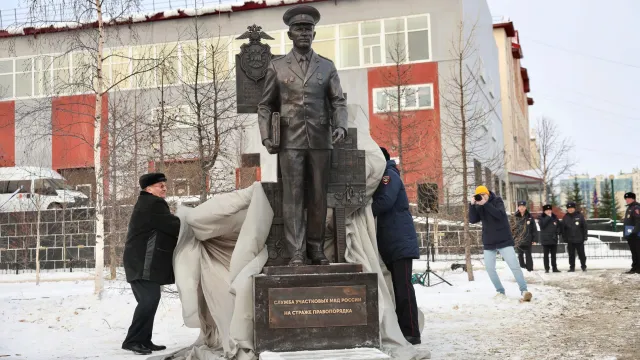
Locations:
218 56
371 42
119 63
193 62
83 72
43 68
24 185
396 47
61 74
44 187
6 79
349 45
418 37
167 71
414 97
143 66
24 77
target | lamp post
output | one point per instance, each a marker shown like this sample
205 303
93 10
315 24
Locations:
613 204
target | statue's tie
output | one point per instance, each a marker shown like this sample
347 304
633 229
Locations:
304 64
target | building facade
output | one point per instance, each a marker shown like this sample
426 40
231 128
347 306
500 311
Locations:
152 62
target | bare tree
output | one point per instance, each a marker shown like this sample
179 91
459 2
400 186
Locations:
402 129
466 127
211 121
554 154
88 20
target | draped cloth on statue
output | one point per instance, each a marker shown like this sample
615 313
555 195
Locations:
222 245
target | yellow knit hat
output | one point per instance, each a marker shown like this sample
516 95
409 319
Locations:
482 190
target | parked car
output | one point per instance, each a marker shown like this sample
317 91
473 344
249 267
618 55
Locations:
29 188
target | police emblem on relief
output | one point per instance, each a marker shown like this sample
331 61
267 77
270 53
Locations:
386 179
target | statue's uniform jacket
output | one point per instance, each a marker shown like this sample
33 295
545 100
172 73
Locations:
307 102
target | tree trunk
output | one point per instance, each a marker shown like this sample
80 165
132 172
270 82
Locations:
97 160
38 247
113 199
465 172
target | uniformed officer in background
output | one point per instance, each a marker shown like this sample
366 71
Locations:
524 235
632 231
549 230
574 233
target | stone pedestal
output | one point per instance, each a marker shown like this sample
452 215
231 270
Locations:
349 354
315 308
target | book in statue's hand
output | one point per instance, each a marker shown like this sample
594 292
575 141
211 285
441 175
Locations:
275 129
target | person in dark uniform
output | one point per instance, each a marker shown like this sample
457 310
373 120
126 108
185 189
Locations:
148 258
632 231
525 231
549 231
398 245
575 232
304 87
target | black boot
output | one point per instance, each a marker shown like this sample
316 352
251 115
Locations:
414 340
153 347
315 252
556 270
137 349
572 270
632 271
546 271
318 258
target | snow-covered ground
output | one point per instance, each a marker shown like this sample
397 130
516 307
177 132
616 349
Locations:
572 316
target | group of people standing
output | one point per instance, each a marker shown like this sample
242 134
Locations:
546 231
573 228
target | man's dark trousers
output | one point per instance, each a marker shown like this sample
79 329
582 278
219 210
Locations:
573 248
406 307
147 295
522 251
297 166
553 250
634 246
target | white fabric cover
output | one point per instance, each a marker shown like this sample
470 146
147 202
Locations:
222 245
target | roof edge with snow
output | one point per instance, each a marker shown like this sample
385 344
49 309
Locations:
246 5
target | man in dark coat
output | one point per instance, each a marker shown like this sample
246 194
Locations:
575 232
525 231
148 258
489 209
305 88
549 230
398 245
632 231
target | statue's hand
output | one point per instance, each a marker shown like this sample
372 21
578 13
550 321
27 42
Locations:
270 148
338 135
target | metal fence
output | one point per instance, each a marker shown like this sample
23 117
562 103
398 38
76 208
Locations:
450 247
18 17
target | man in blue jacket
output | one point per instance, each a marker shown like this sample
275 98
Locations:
398 245
489 209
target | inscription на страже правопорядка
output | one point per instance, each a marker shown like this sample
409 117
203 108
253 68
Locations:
317 306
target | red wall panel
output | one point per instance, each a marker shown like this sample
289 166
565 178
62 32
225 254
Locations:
73 126
423 161
8 133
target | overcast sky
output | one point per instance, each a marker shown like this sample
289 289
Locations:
583 58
